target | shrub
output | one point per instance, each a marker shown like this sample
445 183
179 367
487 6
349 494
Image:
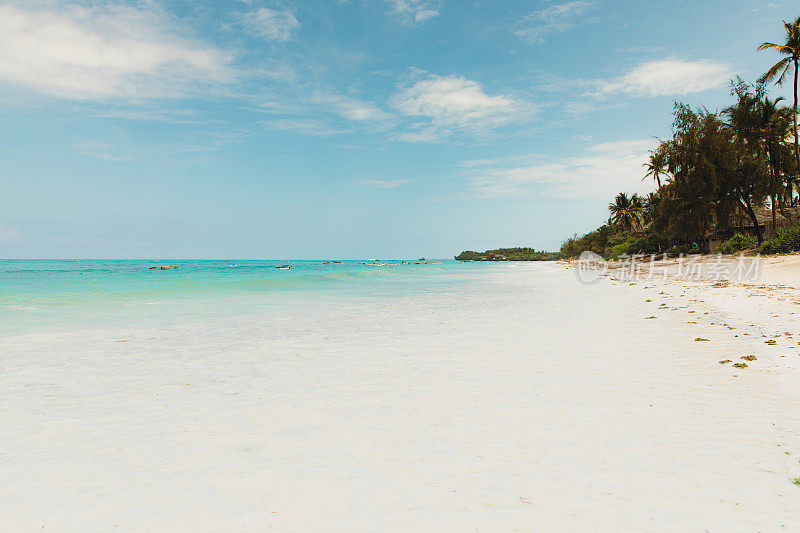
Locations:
737 243
596 241
510 254
620 238
469 255
782 241
684 249
621 249
652 243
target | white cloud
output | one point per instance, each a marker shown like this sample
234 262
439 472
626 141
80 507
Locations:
414 11
104 51
351 108
601 170
445 104
100 151
383 184
670 77
9 234
554 19
271 24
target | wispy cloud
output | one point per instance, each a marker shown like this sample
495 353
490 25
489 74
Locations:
172 116
383 184
305 126
443 105
554 19
271 24
414 11
105 50
325 113
211 140
351 108
598 170
99 150
9 234
669 77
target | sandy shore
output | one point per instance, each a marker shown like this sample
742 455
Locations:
528 401
762 305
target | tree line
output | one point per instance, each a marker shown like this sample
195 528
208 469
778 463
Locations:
718 168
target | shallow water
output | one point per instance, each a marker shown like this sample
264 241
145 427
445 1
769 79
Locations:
60 295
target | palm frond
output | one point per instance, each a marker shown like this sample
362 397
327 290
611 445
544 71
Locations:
784 64
782 48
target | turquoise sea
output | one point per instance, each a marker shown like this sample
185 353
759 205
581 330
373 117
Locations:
56 295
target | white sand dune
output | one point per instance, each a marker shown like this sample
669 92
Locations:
526 402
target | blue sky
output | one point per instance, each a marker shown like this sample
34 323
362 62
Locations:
357 128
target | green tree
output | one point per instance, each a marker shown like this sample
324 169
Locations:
657 165
688 202
627 211
745 173
651 204
778 71
717 166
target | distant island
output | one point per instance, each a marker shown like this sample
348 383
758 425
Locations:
509 254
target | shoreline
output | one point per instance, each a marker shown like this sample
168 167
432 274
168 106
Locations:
526 400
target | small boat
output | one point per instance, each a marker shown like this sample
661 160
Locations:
283 267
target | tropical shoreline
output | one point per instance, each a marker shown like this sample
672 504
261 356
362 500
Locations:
437 405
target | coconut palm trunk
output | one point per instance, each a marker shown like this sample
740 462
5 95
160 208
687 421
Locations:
794 131
773 201
748 208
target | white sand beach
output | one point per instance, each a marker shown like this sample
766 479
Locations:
526 402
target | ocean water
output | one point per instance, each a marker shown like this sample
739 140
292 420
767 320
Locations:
60 295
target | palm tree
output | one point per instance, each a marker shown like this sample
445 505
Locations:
657 165
775 124
778 71
651 203
626 211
